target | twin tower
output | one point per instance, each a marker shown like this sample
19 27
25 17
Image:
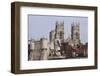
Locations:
58 33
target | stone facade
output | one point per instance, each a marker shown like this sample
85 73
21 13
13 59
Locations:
59 31
39 49
56 38
52 35
44 49
58 47
75 33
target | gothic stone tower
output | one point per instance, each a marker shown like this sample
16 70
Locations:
52 35
75 33
59 31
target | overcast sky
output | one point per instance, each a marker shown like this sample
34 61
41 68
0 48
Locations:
40 26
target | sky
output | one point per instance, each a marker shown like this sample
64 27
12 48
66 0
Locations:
40 26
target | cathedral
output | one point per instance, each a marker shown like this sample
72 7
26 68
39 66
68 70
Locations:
58 47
